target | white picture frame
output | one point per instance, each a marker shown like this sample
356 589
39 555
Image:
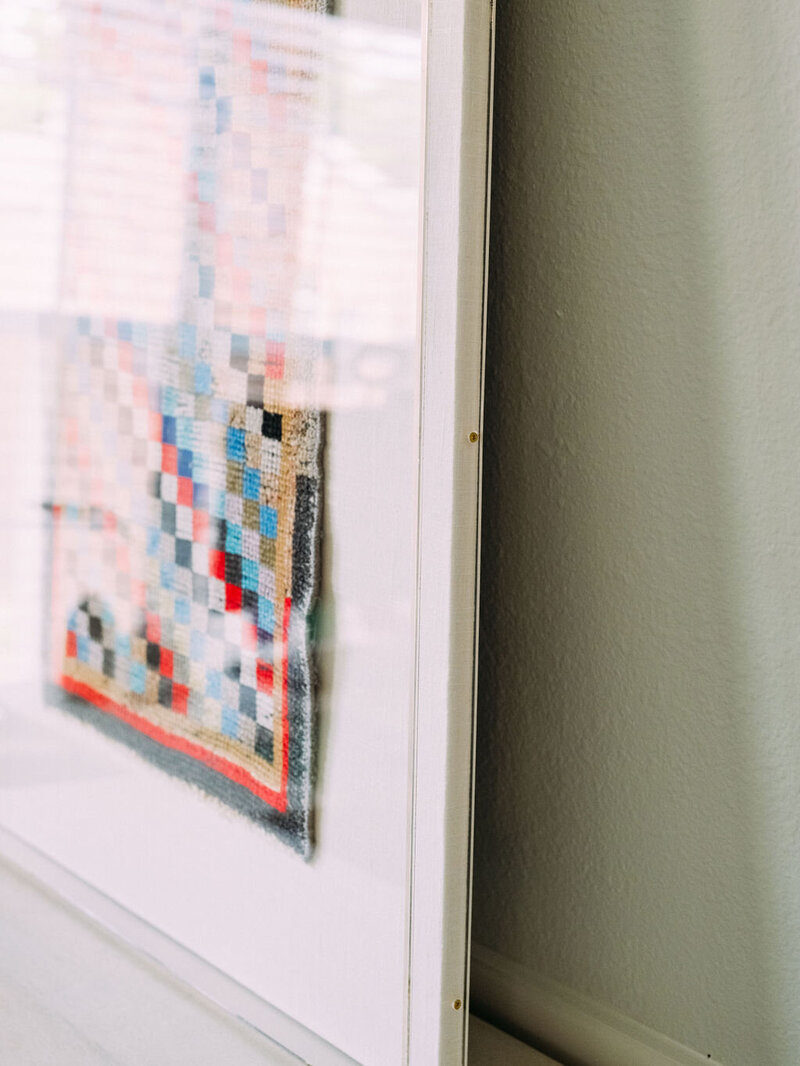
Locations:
457 40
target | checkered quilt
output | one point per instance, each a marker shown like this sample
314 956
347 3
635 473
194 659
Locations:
186 488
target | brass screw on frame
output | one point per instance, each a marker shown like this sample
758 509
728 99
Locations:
456 1004
473 437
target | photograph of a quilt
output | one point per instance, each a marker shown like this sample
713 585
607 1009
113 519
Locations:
186 486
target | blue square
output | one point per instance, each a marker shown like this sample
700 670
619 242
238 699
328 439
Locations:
200 466
219 409
123 647
83 649
230 721
266 614
84 325
202 379
197 645
187 340
236 444
153 541
269 522
206 187
200 496
240 344
233 538
218 503
185 432
207 82
125 331
167 576
223 114
138 677
252 481
214 684
206 285
139 334
169 400
184 462
183 612
250 574
168 426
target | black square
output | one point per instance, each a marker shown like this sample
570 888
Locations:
168 517
272 425
218 532
233 569
183 552
153 655
247 701
264 743
95 627
108 663
255 390
250 599
165 691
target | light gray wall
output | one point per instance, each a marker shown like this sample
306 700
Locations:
638 812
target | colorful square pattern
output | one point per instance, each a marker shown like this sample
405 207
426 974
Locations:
186 493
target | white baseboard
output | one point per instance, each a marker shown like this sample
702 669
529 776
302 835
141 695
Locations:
489 1046
572 1028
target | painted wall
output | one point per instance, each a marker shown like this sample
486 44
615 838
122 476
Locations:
638 816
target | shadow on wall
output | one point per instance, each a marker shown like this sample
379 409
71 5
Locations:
627 747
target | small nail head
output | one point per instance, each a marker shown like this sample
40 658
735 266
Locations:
456 1004
473 437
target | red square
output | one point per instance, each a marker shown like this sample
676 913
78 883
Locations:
72 644
249 635
154 428
166 662
258 77
153 628
241 47
207 217
275 359
169 458
200 527
233 598
125 350
216 564
264 676
185 491
180 697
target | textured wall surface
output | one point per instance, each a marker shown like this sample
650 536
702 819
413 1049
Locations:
638 814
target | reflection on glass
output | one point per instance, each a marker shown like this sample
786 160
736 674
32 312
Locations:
208 308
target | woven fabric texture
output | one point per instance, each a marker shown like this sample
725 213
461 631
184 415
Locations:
186 491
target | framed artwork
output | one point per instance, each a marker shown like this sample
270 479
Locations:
242 321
